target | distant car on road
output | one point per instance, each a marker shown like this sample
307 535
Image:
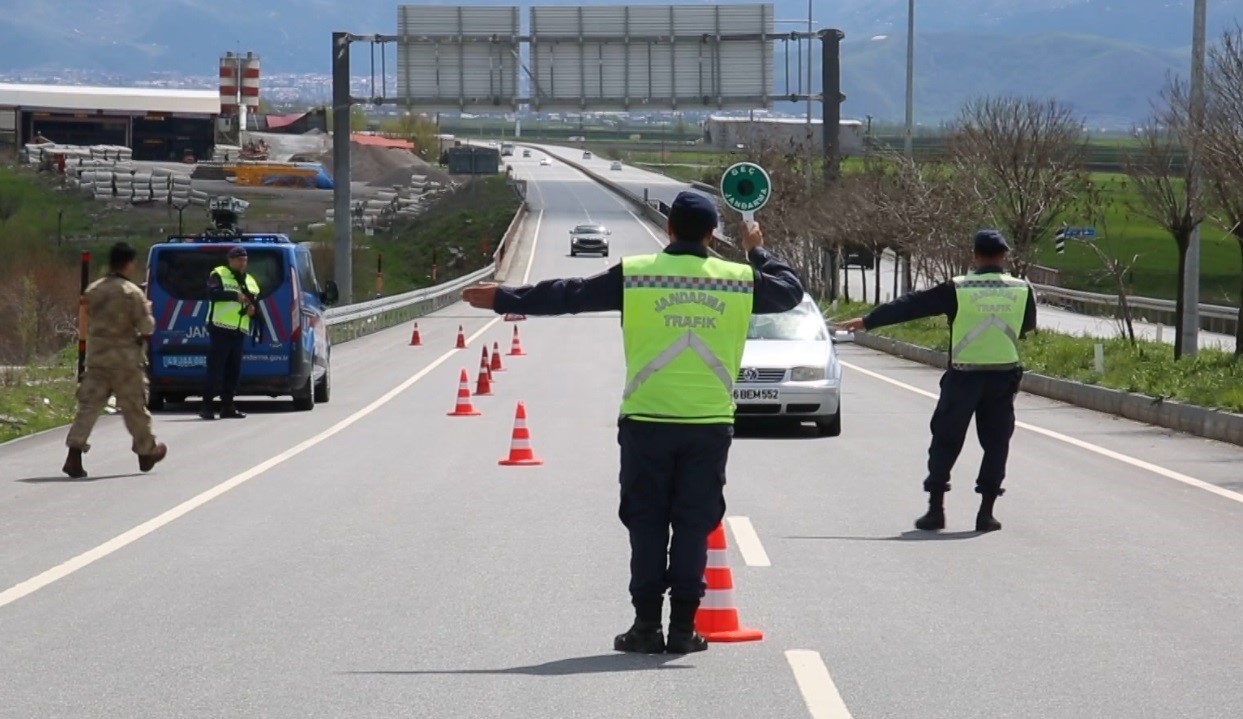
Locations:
526 153
615 166
545 162
790 370
590 238
586 154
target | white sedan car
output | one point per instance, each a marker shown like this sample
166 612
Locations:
790 370
545 162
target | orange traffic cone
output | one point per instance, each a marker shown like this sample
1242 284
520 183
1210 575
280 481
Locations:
483 386
520 452
415 338
717 618
461 338
464 408
496 357
515 348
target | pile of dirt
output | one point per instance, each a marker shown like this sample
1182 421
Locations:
383 166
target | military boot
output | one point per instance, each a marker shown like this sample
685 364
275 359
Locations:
935 517
645 635
984 521
230 411
683 639
73 464
208 410
147 461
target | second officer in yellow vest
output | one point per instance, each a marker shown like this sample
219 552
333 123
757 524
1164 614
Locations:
684 324
233 294
988 312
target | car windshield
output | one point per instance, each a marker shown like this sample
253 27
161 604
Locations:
589 230
803 323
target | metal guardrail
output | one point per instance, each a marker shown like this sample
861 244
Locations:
1213 318
363 318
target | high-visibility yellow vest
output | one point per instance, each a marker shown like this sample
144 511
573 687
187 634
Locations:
985 332
228 313
684 326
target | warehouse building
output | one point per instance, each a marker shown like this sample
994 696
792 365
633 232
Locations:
156 124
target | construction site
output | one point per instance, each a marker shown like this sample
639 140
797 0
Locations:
282 163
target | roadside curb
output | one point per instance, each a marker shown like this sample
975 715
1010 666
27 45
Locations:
1192 419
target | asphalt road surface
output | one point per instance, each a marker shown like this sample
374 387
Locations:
371 559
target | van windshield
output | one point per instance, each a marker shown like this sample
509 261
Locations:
182 271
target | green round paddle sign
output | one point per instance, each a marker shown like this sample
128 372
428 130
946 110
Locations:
745 187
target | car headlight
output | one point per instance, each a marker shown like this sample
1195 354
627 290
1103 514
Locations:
807 374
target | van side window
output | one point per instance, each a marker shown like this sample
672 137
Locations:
306 272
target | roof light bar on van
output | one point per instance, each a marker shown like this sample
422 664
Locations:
265 239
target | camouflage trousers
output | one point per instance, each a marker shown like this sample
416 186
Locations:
129 385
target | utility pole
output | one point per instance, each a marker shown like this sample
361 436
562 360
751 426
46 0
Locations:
1190 330
903 265
342 220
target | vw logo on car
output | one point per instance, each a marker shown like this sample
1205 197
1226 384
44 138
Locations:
750 374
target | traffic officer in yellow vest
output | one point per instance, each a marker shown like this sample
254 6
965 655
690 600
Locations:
233 294
684 324
988 311
119 317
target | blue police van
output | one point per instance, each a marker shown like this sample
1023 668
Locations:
291 353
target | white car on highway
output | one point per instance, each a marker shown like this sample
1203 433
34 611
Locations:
545 162
615 166
790 370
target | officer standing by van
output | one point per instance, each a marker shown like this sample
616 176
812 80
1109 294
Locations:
988 310
119 318
233 295
685 317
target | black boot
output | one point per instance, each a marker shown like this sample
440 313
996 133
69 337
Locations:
645 635
935 518
230 411
208 410
73 465
984 521
683 639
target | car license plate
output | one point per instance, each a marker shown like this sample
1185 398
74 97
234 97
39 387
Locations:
743 395
185 361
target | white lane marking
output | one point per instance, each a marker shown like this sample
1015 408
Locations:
819 692
526 277
644 224
120 541
89 557
748 542
1096 449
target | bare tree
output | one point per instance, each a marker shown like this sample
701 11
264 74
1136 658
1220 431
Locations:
1094 205
1221 142
1026 157
1161 175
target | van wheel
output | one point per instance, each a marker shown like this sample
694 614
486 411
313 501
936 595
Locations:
155 401
304 399
323 388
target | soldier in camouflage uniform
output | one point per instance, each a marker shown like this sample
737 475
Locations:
119 316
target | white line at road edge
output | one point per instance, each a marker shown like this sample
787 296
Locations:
819 692
60 571
1123 458
89 557
748 542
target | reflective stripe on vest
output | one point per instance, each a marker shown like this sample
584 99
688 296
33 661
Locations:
987 302
684 325
228 313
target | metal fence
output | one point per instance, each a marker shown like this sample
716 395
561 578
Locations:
363 318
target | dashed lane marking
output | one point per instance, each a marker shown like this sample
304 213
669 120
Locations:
748 542
814 683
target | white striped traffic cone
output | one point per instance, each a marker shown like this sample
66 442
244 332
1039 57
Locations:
717 618
520 452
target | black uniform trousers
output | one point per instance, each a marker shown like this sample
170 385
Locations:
988 396
224 364
672 477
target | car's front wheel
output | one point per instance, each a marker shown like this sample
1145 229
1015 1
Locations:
831 427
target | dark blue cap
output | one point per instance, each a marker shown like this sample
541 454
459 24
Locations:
990 242
692 216
237 252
